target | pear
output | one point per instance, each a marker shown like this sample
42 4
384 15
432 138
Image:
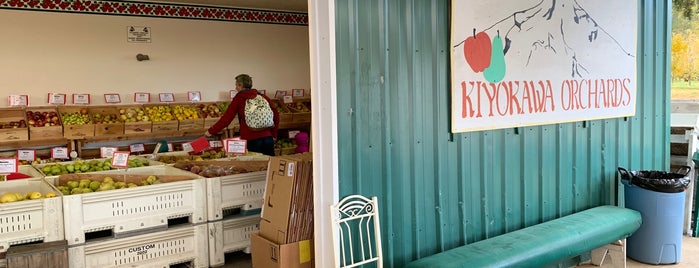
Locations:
496 71
50 194
8 197
34 195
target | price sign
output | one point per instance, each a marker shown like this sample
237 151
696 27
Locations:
8 165
107 152
292 133
137 148
59 153
121 159
26 155
57 98
193 96
236 146
141 97
288 99
297 93
166 97
18 100
170 147
112 98
233 93
81 98
187 147
215 144
279 94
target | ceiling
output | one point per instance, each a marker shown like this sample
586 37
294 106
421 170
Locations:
285 5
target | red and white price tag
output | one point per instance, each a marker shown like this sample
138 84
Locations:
18 100
170 147
81 98
112 98
107 152
292 133
193 96
215 144
8 165
297 93
121 159
141 97
57 98
166 97
137 148
59 153
232 93
187 147
288 99
279 94
26 155
236 146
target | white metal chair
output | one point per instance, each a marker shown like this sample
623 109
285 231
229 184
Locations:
356 232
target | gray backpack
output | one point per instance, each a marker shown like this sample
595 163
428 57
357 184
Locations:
258 114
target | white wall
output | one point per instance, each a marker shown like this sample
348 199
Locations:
43 52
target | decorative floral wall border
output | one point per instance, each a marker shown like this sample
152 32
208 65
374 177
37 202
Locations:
147 9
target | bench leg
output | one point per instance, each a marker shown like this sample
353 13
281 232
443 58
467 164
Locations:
616 249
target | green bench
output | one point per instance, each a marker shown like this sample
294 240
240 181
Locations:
597 229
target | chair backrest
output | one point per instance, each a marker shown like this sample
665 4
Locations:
356 232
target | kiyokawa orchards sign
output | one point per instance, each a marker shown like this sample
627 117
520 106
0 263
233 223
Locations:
535 62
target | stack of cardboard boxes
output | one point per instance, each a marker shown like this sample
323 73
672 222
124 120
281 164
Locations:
286 227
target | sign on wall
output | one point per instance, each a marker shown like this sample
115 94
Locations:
534 62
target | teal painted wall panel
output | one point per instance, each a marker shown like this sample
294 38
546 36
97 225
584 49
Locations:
439 190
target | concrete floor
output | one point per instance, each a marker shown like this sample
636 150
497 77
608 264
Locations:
690 258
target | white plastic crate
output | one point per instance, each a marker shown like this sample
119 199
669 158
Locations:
130 210
239 191
50 179
29 221
158 249
231 235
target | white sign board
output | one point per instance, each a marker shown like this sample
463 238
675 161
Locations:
539 62
138 34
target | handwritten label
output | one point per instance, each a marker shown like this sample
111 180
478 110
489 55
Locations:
26 155
59 153
137 148
81 98
8 165
288 99
107 152
193 96
215 144
233 93
112 98
57 98
166 97
141 97
121 159
298 93
18 100
236 146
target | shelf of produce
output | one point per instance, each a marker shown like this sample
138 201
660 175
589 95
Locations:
30 220
180 245
231 235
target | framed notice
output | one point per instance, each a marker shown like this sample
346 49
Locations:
120 159
141 97
235 146
8 165
193 96
166 97
137 148
534 62
57 98
18 100
26 155
81 99
112 98
288 99
297 93
59 153
138 34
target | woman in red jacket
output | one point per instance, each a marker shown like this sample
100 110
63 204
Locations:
258 140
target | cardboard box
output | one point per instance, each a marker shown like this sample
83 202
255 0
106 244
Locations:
287 211
267 254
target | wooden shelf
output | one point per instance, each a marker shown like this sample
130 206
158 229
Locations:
18 144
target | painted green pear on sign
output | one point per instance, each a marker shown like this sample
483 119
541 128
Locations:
496 71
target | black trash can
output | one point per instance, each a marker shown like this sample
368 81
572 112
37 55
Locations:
659 197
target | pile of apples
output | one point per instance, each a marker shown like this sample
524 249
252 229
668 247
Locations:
183 112
210 110
132 114
160 113
299 107
14 197
76 118
14 124
98 118
41 119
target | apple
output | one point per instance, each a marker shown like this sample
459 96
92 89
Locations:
477 51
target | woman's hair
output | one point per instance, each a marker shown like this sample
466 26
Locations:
244 80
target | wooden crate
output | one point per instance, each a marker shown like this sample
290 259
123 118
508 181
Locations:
49 254
188 122
162 126
106 129
45 132
13 133
284 112
75 131
131 127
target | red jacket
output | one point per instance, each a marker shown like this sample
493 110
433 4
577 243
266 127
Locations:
237 107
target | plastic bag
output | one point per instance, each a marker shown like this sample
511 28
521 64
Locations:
659 181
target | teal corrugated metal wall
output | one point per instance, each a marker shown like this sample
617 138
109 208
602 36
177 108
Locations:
438 190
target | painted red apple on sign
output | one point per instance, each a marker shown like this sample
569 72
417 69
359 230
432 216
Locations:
477 49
